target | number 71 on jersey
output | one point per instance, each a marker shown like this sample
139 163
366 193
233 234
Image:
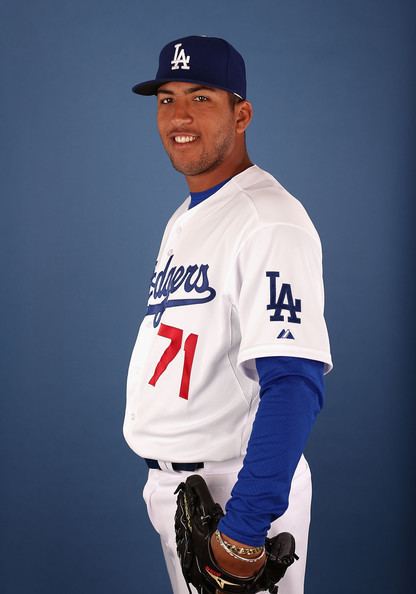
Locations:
175 335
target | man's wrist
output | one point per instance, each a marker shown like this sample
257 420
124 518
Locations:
236 548
240 565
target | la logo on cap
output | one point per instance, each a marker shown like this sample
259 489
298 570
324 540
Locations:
180 58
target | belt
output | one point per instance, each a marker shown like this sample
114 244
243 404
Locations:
177 466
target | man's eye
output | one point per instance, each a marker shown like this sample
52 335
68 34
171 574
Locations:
200 98
165 100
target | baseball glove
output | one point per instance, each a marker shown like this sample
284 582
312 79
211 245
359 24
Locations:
196 518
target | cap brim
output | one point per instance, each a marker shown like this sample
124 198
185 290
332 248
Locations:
150 87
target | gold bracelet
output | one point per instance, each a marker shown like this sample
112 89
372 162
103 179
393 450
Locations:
241 550
233 550
247 560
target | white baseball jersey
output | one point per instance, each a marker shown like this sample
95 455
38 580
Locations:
238 276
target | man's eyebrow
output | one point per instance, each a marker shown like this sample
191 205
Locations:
188 91
200 88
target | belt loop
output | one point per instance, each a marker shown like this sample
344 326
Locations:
165 465
174 466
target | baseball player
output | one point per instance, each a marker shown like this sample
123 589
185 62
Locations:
226 376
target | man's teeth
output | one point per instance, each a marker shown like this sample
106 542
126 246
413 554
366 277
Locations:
183 139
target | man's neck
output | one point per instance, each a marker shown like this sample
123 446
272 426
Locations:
209 179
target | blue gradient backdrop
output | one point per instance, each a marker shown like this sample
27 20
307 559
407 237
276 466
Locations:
85 193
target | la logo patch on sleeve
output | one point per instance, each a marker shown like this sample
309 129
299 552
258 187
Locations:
283 302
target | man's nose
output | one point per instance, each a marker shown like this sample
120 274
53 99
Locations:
181 114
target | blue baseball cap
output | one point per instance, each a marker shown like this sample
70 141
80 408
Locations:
209 61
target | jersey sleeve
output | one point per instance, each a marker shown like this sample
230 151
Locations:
291 396
278 295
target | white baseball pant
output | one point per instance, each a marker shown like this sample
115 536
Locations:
220 477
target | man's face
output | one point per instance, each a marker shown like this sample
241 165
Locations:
196 125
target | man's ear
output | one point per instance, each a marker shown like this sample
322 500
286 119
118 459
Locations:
244 115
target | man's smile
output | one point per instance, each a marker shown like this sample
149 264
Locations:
180 137
184 139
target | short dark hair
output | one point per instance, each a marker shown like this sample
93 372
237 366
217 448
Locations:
234 99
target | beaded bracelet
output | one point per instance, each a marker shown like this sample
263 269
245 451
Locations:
232 548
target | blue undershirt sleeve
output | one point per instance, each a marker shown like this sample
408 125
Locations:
291 396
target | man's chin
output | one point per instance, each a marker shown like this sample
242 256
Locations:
188 169
195 168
